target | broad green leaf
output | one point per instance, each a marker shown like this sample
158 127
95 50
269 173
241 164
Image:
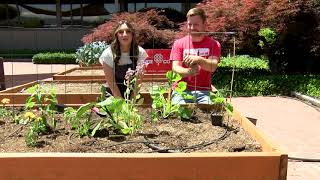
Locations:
96 128
182 86
173 77
126 130
83 109
219 100
229 108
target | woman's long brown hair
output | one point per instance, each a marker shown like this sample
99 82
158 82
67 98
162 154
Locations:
115 45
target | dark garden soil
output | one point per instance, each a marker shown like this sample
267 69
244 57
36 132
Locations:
166 135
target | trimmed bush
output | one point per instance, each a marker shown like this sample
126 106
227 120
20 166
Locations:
54 58
258 85
28 53
243 63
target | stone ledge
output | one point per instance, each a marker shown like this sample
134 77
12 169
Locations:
312 100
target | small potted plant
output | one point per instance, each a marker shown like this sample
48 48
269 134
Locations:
88 55
224 107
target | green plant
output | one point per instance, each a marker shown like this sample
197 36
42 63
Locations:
268 35
162 105
4 112
69 115
122 114
81 120
90 53
218 99
44 105
38 125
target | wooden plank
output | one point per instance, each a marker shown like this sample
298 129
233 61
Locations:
67 71
18 88
265 142
2 77
187 166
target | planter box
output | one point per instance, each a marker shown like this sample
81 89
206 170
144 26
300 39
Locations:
18 98
70 74
270 164
96 73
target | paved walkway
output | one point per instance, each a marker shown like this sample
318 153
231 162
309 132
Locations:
22 72
289 123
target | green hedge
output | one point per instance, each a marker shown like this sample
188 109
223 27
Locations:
28 53
244 64
54 58
269 84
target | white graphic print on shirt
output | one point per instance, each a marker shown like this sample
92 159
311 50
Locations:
204 52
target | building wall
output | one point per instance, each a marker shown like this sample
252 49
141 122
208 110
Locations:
42 39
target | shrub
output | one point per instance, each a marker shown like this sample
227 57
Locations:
271 84
54 58
244 63
32 23
297 23
28 53
90 53
145 25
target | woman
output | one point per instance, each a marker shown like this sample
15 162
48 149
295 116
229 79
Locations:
122 54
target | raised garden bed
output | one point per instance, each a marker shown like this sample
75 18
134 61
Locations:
96 73
116 160
71 93
68 92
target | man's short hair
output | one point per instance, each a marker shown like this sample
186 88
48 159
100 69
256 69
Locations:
197 12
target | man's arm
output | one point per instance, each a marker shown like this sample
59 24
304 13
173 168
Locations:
209 64
191 71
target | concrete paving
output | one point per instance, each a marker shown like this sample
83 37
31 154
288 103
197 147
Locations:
291 124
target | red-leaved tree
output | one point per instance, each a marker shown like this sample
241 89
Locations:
145 24
240 16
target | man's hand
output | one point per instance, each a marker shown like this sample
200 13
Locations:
194 70
191 60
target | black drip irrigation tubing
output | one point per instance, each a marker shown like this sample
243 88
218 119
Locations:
304 159
181 149
152 144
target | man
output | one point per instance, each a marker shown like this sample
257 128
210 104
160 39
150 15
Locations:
195 57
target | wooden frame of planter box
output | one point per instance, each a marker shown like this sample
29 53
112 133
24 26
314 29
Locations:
64 75
69 99
270 164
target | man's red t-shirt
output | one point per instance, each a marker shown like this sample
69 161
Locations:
207 47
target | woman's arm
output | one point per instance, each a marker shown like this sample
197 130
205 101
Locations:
111 80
